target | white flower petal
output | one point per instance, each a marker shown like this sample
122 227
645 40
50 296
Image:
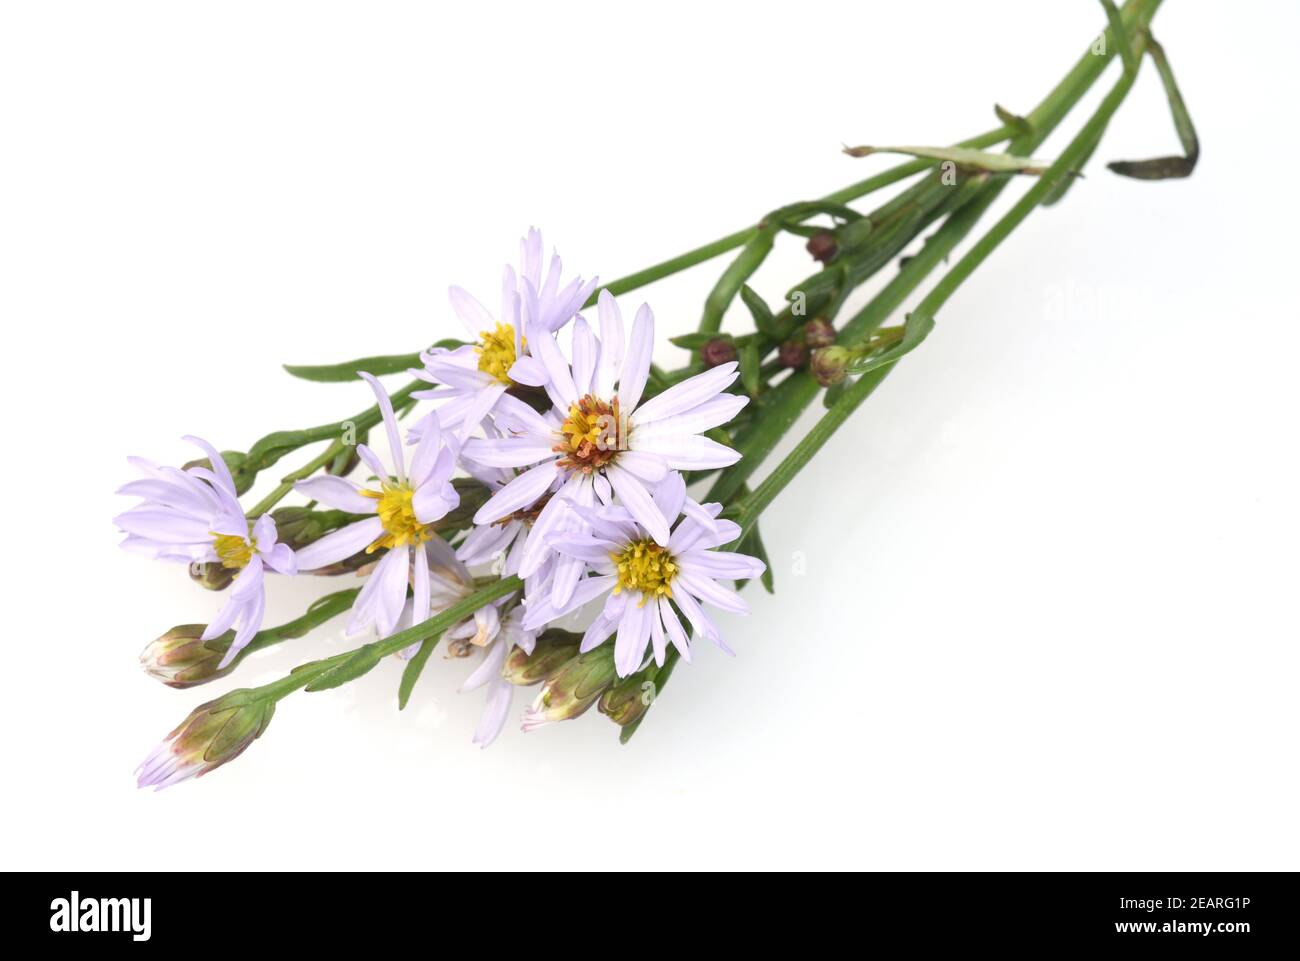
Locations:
639 502
711 592
340 544
612 341
521 492
390 424
636 365
584 357
689 394
337 493
471 313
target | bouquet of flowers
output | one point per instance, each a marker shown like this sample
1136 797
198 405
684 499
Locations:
544 500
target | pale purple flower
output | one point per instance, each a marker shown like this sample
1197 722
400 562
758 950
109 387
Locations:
646 584
405 506
194 515
475 376
599 440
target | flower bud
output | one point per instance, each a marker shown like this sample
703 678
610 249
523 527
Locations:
212 575
718 351
214 733
630 698
818 332
569 691
829 365
823 246
180 659
793 353
552 650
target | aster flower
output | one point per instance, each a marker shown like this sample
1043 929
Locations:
485 630
194 515
645 584
477 375
405 506
599 439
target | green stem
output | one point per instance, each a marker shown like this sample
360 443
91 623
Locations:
720 246
304 674
320 611
287 482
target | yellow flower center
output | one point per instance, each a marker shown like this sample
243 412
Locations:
496 354
646 567
397 513
233 551
589 435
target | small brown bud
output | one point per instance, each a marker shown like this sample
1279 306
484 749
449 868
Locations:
793 353
818 332
823 246
720 350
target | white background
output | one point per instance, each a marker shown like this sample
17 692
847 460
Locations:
1047 616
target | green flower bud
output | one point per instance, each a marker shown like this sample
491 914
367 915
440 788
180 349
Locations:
829 365
214 733
346 461
630 698
572 689
300 526
552 650
180 659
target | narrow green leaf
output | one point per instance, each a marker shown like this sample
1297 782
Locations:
915 330
695 340
764 322
833 393
337 373
750 362
273 446
349 667
1013 120
733 278
1166 168
1003 163
414 667
378 366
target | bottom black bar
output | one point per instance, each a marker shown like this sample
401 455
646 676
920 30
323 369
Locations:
1228 912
